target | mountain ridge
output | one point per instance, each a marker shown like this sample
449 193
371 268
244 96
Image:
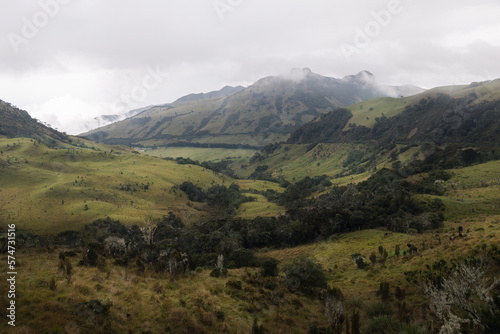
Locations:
267 111
16 122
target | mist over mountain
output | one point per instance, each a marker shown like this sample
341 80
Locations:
15 122
461 114
224 92
267 111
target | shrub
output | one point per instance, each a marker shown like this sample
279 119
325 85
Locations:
194 193
216 272
92 257
306 274
389 325
269 267
52 284
378 309
234 284
384 291
242 257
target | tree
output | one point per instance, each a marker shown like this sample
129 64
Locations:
269 267
355 325
397 250
141 268
373 258
400 293
219 270
384 291
256 329
305 274
92 257
334 308
68 271
464 296
242 257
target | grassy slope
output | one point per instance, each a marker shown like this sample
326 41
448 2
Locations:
364 113
335 256
150 302
155 301
190 303
473 191
294 162
35 180
201 154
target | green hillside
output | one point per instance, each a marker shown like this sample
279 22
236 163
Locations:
382 217
263 113
15 122
365 113
201 154
48 190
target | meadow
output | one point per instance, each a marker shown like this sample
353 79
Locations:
48 190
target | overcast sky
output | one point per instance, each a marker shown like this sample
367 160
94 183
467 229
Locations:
67 61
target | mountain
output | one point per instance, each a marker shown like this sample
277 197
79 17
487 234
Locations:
224 92
18 123
444 127
103 120
466 114
265 112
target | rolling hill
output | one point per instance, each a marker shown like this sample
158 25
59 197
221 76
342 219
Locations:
467 115
417 204
15 122
50 182
265 112
350 143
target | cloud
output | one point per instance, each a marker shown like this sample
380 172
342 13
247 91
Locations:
95 51
67 113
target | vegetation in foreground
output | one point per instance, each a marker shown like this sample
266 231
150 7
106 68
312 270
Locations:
112 293
408 244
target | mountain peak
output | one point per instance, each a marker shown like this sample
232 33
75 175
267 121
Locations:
297 74
363 76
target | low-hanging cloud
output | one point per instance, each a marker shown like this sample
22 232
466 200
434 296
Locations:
111 44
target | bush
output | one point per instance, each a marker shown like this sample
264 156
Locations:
234 284
216 272
52 284
269 267
242 257
389 325
360 260
378 309
305 274
380 325
194 193
92 257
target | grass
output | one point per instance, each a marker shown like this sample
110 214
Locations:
365 113
295 162
260 208
194 302
335 255
50 190
201 154
473 191
198 303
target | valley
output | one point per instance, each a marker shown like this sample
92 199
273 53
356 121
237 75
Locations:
349 212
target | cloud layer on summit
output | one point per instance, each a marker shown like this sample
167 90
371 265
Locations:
68 61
